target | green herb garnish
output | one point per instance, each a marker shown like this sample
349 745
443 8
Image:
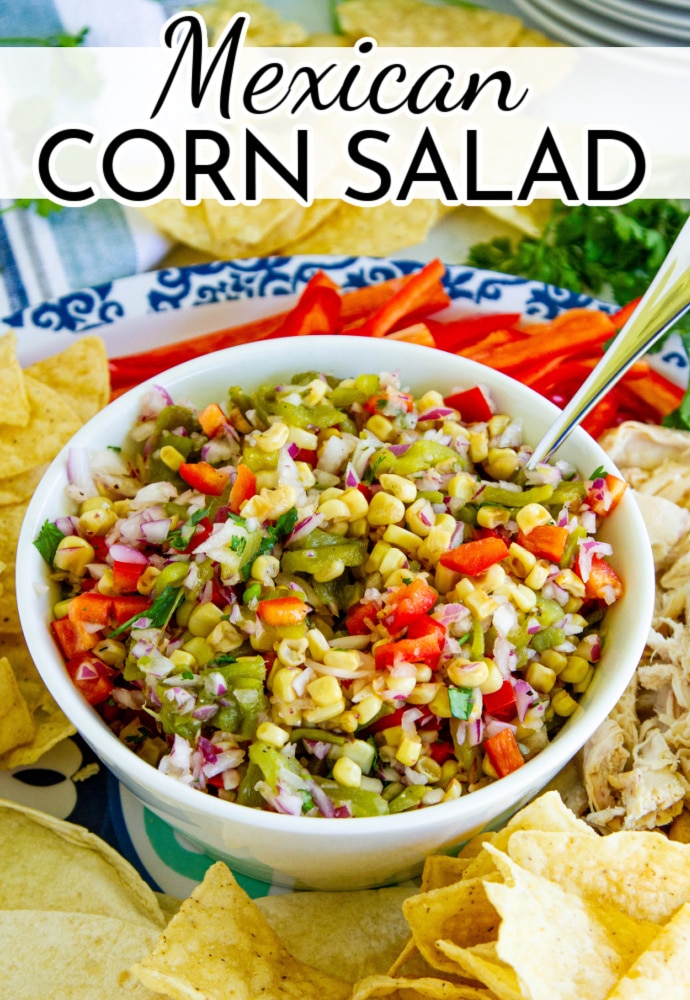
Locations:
49 537
461 702
159 613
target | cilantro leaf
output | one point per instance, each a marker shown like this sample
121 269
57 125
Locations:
461 702
238 544
598 473
49 537
159 613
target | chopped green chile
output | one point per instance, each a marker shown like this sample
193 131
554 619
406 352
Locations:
515 498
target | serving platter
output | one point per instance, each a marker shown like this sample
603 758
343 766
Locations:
162 307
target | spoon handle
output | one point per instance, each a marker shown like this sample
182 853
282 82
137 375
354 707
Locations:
664 302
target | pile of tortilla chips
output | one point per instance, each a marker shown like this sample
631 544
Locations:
41 407
330 226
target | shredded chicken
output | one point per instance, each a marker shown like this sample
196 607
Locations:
635 770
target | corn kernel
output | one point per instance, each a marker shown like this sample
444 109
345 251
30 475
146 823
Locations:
380 426
73 555
397 578
334 569
96 503
463 589
575 670
449 768
393 559
318 644
402 488
540 677
342 659
302 438
106 585
469 675
306 474
376 557
323 713
292 652
494 681
434 545
553 659
573 605
257 506
200 650
429 768
96 522
462 487
401 685
453 790
492 517
497 424
537 576
519 561
417 516
122 508
318 388
480 604
147 580
440 704
571 582
532 516
274 735
402 538
267 479
492 579
582 685
265 569
488 768
347 722
444 579
282 684
325 690
183 659
347 772
335 510
171 457
384 508
587 646
409 750
431 400
502 463
358 528
286 714
112 652
356 502
563 704
455 430
274 438
204 619
479 446
423 694
367 709
361 752
524 598
280 500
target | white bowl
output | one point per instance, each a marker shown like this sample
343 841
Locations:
338 853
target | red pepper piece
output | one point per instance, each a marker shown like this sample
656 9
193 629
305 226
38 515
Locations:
244 487
474 558
126 576
203 477
615 488
93 608
361 618
128 606
503 752
472 405
603 583
424 625
620 318
546 541
201 532
409 299
501 704
459 333
307 455
282 611
317 310
441 752
426 649
91 677
409 601
212 420
73 637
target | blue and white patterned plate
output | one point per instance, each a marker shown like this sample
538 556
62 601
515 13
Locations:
148 310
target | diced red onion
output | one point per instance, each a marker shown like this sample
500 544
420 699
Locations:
317 748
505 656
156 532
458 534
67 525
86 672
304 528
342 812
398 449
475 732
409 718
493 726
533 626
205 712
351 477
524 697
126 698
292 449
79 471
181 753
504 619
590 547
287 802
323 803
437 413
126 554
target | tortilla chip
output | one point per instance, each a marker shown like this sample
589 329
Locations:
266 27
255 230
326 40
559 943
313 926
529 38
408 989
48 864
220 946
11 517
481 962
372 231
14 401
440 870
413 22
14 489
71 955
663 969
52 422
16 722
79 373
528 219
643 874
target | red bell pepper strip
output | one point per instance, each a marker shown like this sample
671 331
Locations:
474 558
455 334
244 487
501 704
128 606
472 405
546 541
201 532
603 583
656 392
503 752
441 751
603 415
411 297
395 717
491 345
424 625
620 318
362 618
613 494
212 420
73 637
203 477
425 649
96 609
317 310
282 611
408 602
91 677
126 576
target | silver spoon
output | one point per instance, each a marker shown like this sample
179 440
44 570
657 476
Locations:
664 302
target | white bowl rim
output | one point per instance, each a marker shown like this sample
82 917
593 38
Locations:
534 773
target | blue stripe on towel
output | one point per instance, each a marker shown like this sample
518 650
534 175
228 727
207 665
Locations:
9 273
33 18
94 243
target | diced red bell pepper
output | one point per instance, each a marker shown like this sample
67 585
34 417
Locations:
91 677
201 532
503 752
96 609
282 611
441 751
472 405
474 558
424 625
613 494
501 704
307 455
203 477
128 606
244 487
73 637
458 333
361 618
409 601
126 576
395 717
546 541
212 420
317 310
425 649
603 583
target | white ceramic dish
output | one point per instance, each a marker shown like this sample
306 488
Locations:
329 853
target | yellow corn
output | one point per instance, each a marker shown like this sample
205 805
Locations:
274 735
401 685
347 772
449 768
479 446
225 638
112 652
488 768
540 677
97 521
523 597
361 752
582 685
440 703
494 682
571 582
267 479
465 674
106 586
414 520
171 457
73 555
423 694
96 503
462 486
384 508
318 644
282 684
532 516
332 571
257 506
122 507
520 561
356 503
480 604
402 488
347 722
342 659
497 424
358 528
463 589
492 579
575 670
204 619
392 560
431 400
453 790
265 569
492 517
322 713
335 510
586 647
367 709
402 538
147 580
455 430
325 690
274 438
306 474
376 556
302 438
444 579
429 768
380 426
563 704
537 576
200 650
502 463
318 388
553 659
409 750
280 500
292 652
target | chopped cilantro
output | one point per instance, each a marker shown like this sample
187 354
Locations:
370 471
272 535
461 702
159 613
187 675
182 536
48 540
463 638
224 658
136 739
598 473
238 544
114 447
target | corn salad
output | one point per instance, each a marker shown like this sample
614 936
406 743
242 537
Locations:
329 597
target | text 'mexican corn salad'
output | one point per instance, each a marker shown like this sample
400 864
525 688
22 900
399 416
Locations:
330 598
